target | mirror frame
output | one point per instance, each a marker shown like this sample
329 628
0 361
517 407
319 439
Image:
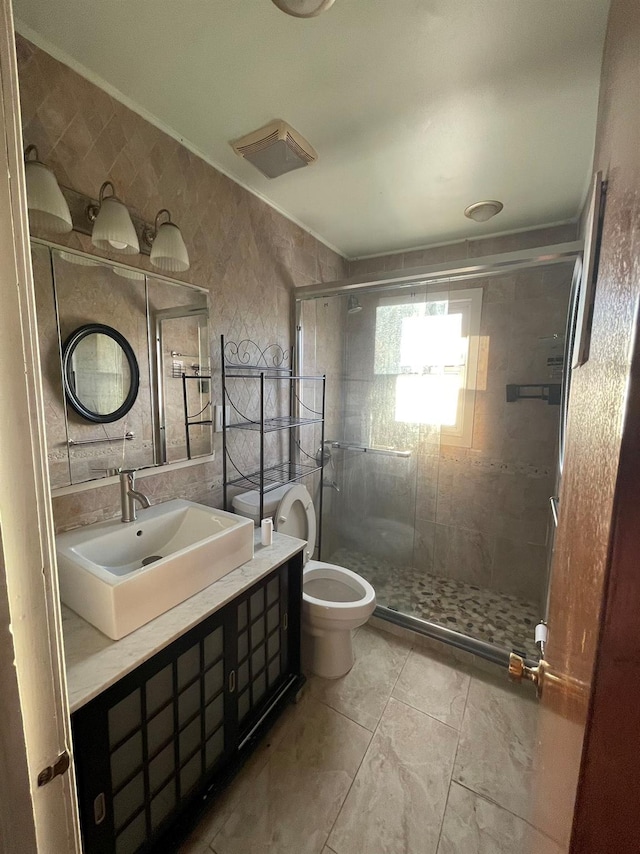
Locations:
68 350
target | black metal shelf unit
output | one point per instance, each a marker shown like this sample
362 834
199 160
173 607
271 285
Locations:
246 362
188 419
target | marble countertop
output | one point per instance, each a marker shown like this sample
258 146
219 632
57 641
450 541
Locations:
94 662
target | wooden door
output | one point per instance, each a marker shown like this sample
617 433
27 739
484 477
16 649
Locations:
34 730
588 756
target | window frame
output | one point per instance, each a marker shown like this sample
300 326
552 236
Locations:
459 434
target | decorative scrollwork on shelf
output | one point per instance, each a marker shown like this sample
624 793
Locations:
248 353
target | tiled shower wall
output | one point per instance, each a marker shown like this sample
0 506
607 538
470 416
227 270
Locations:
244 252
324 327
477 514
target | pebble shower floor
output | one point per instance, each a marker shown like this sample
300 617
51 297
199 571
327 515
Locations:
486 615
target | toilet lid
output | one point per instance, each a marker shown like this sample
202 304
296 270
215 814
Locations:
296 517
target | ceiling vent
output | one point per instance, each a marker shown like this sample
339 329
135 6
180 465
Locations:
275 149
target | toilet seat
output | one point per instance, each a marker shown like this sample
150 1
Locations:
296 516
322 593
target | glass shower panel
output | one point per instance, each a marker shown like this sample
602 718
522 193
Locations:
378 517
436 480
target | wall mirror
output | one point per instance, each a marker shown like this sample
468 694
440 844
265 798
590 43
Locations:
100 373
159 330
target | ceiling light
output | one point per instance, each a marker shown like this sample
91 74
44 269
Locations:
48 209
113 229
168 250
303 8
482 211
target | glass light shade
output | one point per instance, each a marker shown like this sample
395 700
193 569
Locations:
78 260
133 275
168 251
303 8
48 208
113 229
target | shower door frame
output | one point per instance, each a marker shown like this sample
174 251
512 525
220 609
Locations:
435 274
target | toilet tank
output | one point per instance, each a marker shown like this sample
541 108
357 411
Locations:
248 503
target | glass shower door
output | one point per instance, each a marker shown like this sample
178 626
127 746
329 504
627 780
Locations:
382 448
381 519
437 481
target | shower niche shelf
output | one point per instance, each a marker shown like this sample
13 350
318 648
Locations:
263 380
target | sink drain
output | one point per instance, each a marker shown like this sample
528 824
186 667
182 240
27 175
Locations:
151 559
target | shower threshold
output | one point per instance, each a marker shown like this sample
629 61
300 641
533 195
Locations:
483 622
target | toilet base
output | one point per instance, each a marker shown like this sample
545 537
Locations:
328 654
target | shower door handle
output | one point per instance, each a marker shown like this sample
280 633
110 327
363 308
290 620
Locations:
554 501
520 671
543 674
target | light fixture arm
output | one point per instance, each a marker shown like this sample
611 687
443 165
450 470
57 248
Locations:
31 149
94 210
149 234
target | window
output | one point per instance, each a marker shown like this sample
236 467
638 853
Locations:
427 349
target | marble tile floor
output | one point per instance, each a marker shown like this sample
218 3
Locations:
412 752
487 615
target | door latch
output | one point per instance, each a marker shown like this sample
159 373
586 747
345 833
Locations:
60 766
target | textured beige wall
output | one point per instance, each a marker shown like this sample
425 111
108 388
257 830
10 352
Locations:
246 254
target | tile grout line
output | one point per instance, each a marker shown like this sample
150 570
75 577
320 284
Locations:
373 735
453 765
495 803
344 800
426 714
342 713
457 666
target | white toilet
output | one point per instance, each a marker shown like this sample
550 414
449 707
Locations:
335 600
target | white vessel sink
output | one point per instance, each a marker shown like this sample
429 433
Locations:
119 575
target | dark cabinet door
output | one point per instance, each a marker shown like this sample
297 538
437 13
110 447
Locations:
262 647
171 732
144 746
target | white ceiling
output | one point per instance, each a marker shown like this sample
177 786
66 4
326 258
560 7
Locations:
416 107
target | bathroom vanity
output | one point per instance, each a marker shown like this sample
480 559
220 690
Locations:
164 717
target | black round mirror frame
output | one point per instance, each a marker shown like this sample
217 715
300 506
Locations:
68 350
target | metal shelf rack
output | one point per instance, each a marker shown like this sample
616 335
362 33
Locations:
188 422
245 361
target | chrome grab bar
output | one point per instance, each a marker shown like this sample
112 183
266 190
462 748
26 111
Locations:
363 449
72 443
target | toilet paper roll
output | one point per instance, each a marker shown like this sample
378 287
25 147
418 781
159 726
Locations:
267 532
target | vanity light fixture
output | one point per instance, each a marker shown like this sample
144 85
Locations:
48 208
113 229
168 250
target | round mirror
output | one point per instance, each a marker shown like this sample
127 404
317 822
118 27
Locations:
100 371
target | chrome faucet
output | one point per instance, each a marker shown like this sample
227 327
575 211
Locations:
129 495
